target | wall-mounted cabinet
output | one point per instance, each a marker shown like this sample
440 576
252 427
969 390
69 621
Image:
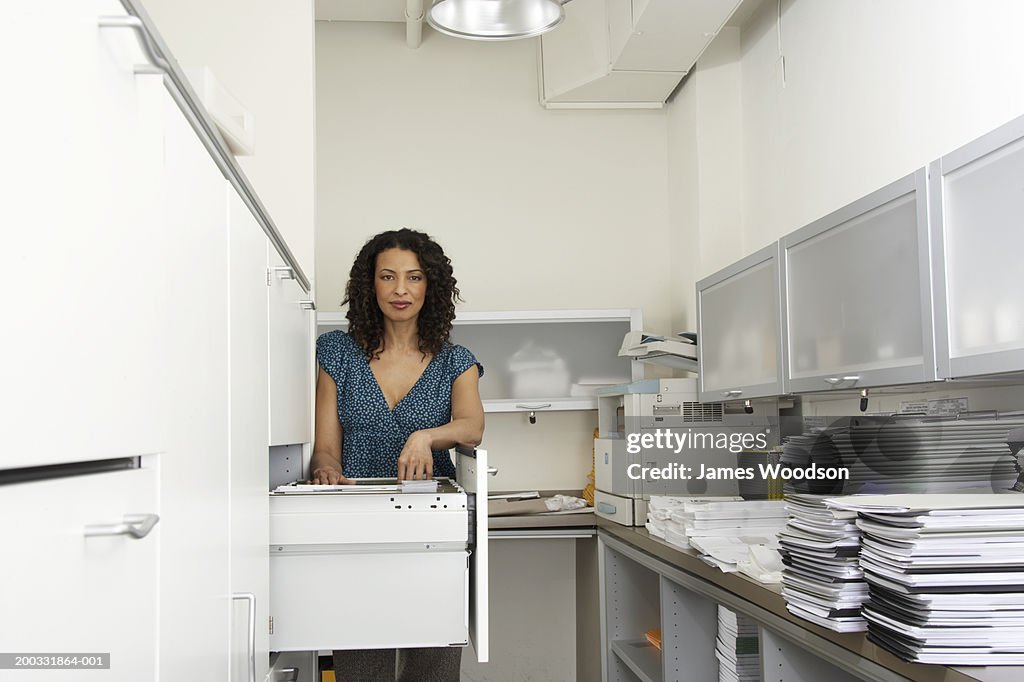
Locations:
540 359
976 207
857 294
739 327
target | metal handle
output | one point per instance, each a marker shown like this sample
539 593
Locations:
538 406
283 271
135 525
492 471
838 380
605 508
286 675
180 90
251 598
307 305
729 394
157 64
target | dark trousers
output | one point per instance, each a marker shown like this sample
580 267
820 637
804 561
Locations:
434 664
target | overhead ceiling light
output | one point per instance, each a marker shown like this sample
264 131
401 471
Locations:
495 19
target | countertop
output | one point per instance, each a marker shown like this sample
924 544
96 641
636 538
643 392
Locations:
756 598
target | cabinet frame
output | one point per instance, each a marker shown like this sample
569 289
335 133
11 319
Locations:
915 183
772 252
992 362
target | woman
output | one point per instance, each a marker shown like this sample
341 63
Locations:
392 397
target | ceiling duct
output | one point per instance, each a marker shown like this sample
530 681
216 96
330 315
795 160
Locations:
626 53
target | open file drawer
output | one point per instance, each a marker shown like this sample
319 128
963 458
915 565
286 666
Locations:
382 569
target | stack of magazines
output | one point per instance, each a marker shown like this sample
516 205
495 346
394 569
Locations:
945 575
738 647
822 579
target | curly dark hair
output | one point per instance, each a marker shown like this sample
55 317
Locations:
365 319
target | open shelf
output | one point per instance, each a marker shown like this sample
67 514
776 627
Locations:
641 657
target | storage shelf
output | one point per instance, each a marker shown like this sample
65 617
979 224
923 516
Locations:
641 657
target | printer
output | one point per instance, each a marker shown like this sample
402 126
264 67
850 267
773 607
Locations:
659 424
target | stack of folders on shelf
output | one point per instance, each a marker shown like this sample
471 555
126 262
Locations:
660 523
822 580
738 647
945 575
929 454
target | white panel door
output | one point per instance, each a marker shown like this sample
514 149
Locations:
250 508
193 397
290 357
80 168
66 592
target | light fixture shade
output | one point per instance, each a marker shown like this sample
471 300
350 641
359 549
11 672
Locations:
495 19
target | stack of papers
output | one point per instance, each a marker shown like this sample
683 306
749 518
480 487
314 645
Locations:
680 352
738 647
732 534
945 575
822 579
928 455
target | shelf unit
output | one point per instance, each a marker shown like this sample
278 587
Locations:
540 360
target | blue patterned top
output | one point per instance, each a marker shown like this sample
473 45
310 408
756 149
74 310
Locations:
374 434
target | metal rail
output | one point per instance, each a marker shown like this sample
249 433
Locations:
178 86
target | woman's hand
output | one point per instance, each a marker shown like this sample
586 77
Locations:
328 475
416 460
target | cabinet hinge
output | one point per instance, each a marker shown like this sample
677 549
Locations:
270 274
271 619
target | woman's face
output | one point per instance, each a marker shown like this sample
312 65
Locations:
400 284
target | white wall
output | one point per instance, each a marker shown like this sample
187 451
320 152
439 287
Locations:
874 89
537 209
262 53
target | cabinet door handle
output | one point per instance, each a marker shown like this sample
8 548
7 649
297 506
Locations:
134 525
307 305
838 380
283 272
492 471
251 598
538 406
157 64
729 394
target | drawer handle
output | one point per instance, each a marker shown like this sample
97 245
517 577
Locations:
284 272
307 305
606 508
492 471
135 525
250 598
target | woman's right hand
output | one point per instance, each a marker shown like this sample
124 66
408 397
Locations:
327 475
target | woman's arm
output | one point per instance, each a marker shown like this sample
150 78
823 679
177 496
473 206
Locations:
325 464
466 427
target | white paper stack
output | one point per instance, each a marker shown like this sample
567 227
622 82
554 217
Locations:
822 579
945 575
659 514
928 455
800 452
738 647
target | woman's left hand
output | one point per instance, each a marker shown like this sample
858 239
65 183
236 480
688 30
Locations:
416 460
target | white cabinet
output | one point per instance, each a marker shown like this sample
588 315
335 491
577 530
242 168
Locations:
290 354
739 328
81 163
74 579
856 294
247 257
977 204
194 397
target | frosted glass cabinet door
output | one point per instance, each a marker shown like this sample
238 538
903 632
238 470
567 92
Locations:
857 302
977 199
738 326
